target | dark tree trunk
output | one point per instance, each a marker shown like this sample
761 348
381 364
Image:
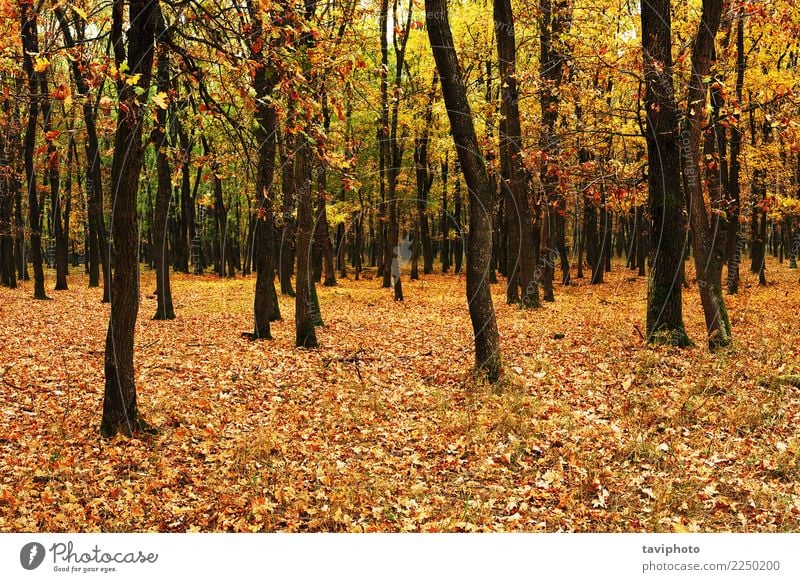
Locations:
520 249
53 179
444 251
30 47
479 299
608 229
641 239
265 302
120 412
9 192
555 21
98 255
322 230
393 154
580 233
424 177
665 199
709 250
20 257
306 308
458 243
164 307
594 240
286 245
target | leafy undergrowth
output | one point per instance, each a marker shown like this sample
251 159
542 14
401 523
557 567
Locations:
383 429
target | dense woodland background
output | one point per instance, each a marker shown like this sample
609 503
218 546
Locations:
525 265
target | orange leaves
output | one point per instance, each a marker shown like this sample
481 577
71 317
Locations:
61 92
383 429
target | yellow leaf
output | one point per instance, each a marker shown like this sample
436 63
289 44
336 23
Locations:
41 65
133 79
160 99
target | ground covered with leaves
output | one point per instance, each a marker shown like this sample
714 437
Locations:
383 429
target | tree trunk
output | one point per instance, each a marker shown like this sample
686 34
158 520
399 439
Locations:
286 245
665 199
479 299
30 47
520 251
641 240
444 250
9 192
554 22
458 243
306 309
53 179
164 307
424 177
265 302
120 412
708 253
322 230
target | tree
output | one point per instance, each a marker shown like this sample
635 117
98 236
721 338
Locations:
30 46
164 307
555 21
265 303
98 255
708 239
665 199
520 252
120 410
479 245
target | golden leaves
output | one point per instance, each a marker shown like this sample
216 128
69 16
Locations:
383 429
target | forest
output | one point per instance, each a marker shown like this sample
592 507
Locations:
393 266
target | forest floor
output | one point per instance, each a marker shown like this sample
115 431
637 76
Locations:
383 429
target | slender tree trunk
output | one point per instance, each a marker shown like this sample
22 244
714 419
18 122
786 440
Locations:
520 257
265 302
286 245
641 240
305 306
708 252
30 47
98 255
479 299
444 251
458 243
164 306
9 192
665 199
53 179
554 22
424 177
120 411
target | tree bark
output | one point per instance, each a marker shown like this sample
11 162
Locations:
555 21
164 306
665 199
120 411
479 299
287 242
520 252
709 254
424 177
305 305
30 46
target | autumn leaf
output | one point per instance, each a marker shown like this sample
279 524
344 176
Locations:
41 64
160 100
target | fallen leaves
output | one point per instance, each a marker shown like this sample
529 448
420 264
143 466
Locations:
384 429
